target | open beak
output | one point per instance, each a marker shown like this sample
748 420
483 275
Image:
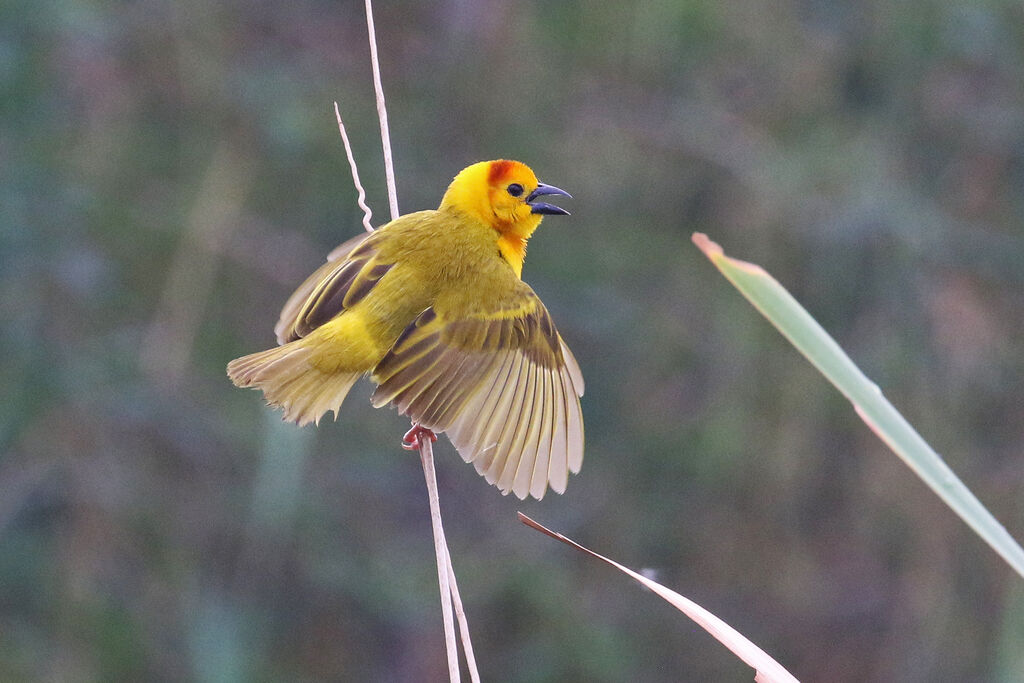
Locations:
544 207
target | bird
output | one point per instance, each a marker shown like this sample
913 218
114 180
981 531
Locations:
433 309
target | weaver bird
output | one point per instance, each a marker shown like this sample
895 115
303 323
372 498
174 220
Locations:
433 308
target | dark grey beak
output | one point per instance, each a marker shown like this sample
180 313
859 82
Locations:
544 207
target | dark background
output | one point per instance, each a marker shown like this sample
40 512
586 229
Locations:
170 170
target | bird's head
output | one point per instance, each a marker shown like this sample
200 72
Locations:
506 196
503 194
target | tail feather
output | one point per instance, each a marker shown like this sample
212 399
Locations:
290 382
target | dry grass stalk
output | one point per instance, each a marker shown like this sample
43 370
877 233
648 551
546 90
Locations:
767 669
445 572
361 199
382 113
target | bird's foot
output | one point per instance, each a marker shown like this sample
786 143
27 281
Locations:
411 440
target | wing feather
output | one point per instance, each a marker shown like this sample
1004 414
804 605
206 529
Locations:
468 417
352 270
559 440
482 426
532 438
560 473
445 392
503 420
498 378
574 426
539 475
290 311
513 436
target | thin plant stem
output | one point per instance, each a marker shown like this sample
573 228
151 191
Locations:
445 573
441 551
382 113
361 200
768 670
460 616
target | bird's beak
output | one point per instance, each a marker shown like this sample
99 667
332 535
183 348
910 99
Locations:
544 207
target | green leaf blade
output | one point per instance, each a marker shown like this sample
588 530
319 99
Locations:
804 332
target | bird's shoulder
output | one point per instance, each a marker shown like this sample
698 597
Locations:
434 230
449 248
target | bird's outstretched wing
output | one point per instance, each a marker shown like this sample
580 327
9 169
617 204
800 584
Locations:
498 379
351 271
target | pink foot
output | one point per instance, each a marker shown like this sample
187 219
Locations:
411 440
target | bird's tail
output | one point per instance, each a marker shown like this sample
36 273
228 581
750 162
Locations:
290 382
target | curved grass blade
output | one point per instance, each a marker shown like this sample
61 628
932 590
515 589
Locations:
804 332
768 670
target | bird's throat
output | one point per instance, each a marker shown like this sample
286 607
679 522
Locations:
513 249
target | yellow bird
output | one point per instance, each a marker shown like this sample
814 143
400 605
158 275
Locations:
432 306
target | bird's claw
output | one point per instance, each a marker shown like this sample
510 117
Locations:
411 440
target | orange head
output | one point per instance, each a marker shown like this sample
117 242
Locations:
502 194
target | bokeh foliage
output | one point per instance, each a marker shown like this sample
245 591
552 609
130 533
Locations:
168 170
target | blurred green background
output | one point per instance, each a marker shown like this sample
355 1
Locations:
170 170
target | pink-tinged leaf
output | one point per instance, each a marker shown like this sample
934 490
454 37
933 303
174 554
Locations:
768 670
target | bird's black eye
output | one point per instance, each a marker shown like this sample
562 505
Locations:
515 189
